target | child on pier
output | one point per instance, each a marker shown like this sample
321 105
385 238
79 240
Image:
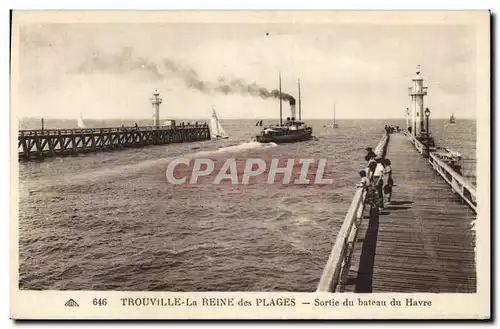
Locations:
364 180
371 192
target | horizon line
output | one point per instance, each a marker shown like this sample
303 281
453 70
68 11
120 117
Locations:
236 118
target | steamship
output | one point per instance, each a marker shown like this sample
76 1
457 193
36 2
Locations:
291 130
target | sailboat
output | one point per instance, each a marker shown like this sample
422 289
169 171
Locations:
80 122
452 119
216 130
334 124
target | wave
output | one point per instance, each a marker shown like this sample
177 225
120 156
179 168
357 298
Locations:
128 169
236 148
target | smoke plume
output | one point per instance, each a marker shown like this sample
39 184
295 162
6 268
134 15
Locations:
126 63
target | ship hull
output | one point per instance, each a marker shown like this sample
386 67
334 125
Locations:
282 139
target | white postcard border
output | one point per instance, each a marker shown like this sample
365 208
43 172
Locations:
50 304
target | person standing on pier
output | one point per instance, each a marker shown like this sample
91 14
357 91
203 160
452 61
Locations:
378 180
371 193
389 180
370 154
372 164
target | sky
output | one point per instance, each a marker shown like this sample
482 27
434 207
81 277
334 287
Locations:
109 70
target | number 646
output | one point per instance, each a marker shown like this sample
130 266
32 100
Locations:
100 302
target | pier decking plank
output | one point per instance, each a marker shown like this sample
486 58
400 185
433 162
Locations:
423 242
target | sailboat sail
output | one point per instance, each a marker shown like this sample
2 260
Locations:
335 125
80 122
216 129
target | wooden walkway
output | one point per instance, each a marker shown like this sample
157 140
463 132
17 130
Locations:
423 241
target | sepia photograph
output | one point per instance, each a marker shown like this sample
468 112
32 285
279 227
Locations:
250 152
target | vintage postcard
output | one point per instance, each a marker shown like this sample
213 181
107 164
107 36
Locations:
250 165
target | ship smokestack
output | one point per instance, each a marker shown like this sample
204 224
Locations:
292 109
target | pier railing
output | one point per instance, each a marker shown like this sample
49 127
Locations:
336 269
458 183
40 132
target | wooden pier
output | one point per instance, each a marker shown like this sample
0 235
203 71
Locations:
38 144
423 242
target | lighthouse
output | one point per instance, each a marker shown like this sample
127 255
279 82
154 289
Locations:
156 101
417 92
